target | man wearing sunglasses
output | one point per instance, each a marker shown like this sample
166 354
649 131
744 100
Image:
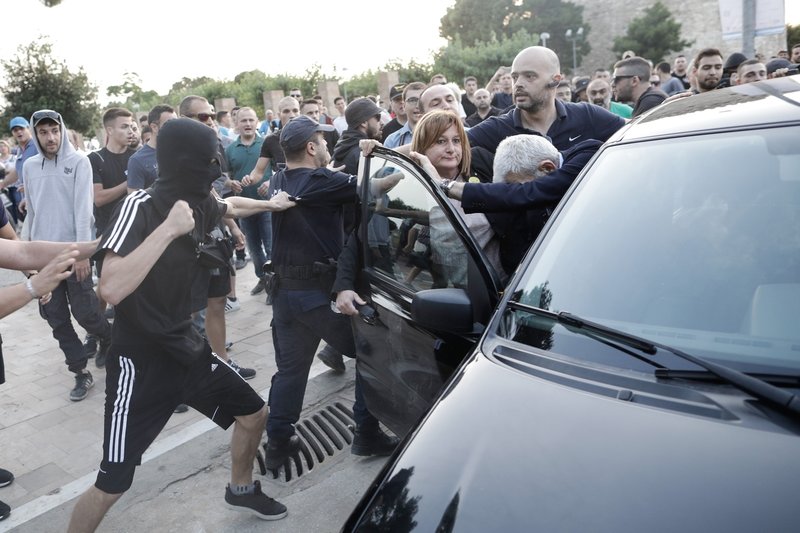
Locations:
58 184
631 83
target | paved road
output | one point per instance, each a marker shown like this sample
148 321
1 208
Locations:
54 446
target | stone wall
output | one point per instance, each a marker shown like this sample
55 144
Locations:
699 19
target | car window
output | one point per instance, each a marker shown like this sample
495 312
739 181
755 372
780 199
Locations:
693 242
409 237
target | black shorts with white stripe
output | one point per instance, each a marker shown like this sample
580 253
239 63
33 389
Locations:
143 387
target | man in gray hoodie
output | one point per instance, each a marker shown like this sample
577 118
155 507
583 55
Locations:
58 183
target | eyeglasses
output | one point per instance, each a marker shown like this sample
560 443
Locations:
202 117
412 100
617 78
43 114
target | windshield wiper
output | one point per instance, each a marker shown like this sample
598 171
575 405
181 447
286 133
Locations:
752 385
782 380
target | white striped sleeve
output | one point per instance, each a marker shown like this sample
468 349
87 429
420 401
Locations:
117 233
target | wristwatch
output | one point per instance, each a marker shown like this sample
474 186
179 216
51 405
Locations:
446 185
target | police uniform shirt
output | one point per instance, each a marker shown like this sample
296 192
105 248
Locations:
158 311
312 230
574 123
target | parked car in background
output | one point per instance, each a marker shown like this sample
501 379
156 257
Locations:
641 371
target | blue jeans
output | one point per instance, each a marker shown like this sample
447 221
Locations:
258 234
301 318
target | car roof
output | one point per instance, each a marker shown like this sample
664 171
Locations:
765 103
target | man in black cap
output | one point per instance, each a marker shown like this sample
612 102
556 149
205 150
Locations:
399 110
150 255
363 122
306 241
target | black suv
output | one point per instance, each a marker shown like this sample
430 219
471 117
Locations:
641 370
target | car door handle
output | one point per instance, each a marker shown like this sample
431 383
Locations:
367 313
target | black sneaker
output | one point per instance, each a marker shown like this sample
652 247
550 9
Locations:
332 359
246 373
102 353
5 510
83 382
257 503
276 452
90 345
373 442
181 408
6 477
258 289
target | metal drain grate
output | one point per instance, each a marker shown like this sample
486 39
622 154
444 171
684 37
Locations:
323 434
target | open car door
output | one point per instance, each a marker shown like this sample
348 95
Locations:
418 257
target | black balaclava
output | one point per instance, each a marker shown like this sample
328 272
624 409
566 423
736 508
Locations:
188 162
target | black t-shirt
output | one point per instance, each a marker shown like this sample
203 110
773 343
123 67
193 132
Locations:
469 107
157 313
312 230
683 79
390 127
271 148
109 170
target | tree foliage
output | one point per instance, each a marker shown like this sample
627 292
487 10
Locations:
481 60
36 80
479 21
792 36
653 35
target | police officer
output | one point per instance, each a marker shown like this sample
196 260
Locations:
306 241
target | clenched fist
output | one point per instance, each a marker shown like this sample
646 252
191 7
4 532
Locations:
180 220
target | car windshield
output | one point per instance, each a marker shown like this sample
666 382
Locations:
693 242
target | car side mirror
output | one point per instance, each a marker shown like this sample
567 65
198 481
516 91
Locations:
443 310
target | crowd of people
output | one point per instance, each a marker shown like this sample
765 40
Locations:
154 225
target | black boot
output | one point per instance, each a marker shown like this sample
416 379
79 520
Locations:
369 442
276 452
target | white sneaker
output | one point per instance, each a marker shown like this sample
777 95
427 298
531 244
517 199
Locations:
232 305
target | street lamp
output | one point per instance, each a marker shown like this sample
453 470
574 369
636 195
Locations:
544 36
574 38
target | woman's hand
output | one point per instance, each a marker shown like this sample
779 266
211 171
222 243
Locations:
423 161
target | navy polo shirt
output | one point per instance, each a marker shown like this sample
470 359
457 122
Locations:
574 123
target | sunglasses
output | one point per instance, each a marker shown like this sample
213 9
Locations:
43 114
202 117
617 78
655 83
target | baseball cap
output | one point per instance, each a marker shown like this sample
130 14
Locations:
396 90
360 110
581 84
733 61
299 130
777 63
18 122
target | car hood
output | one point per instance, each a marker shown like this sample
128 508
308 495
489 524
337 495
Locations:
506 451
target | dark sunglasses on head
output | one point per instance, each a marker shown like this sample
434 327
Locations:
202 117
45 113
655 83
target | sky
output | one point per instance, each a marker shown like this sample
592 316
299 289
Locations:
164 41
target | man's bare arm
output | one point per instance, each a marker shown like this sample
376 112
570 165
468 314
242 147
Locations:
106 196
239 206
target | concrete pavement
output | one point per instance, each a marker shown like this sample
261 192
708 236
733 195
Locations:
54 446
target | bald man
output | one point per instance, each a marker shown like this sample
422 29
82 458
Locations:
536 73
